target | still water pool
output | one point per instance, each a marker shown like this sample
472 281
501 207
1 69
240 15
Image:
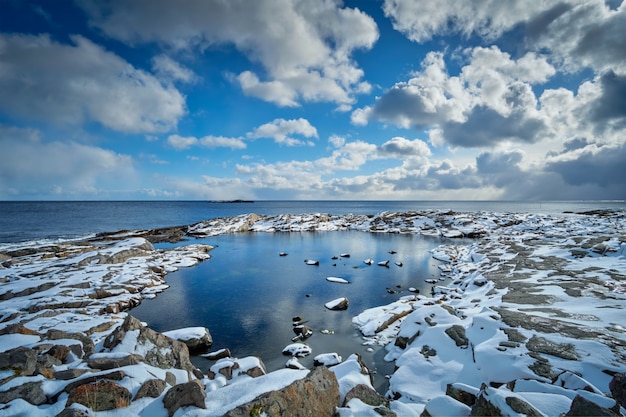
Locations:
247 294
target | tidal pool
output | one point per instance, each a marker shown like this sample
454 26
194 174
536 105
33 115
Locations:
247 294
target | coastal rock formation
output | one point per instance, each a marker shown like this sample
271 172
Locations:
157 349
315 395
197 339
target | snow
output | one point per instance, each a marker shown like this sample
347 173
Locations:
11 341
337 280
297 349
327 359
334 303
445 406
187 333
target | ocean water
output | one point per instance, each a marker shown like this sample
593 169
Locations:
46 220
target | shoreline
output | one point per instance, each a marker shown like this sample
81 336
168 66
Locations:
584 252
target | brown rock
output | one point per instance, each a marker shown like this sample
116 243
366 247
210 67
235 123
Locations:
181 395
100 396
151 388
86 349
316 395
366 394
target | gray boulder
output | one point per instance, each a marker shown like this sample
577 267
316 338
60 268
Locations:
316 395
30 392
112 363
182 395
151 388
22 360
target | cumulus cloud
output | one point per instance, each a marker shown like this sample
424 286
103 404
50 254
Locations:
44 80
281 131
491 100
40 169
185 142
169 70
304 48
401 147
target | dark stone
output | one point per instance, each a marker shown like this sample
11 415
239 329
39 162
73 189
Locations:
366 394
87 344
315 395
113 363
75 410
70 374
22 360
219 354
100 396
457 333
151 388
460 395
60 352
583 407
618 388
30 392
182 395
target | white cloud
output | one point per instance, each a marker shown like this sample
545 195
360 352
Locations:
44 80
402 147
185 142
40 169
304 47
169 70
281 131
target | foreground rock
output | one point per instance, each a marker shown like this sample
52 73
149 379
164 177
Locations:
315 395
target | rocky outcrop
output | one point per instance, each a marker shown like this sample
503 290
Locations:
182 395
159 350
488 404
100 396
316 395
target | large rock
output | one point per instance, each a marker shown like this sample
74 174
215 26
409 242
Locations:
157 349
583 407
85 348
100 396
30 391
21 360
197 339
316 395
182 395
151 388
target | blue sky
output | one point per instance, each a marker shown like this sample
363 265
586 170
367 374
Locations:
312 99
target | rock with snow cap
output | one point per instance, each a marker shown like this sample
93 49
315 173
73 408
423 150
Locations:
190 393
337 304
197 339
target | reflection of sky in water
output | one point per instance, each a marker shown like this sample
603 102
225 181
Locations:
246 294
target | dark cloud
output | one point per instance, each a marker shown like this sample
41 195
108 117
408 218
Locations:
486 127
401 103
538 25
611 105
499 169
602 167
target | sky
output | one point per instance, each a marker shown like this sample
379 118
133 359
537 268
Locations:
312 100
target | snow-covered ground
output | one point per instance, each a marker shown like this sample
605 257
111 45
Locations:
532 310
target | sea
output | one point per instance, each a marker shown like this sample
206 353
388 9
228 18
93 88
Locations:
50 221
247 294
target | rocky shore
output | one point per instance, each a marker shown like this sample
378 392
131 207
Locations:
531 322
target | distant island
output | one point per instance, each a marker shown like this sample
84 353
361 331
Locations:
233 201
